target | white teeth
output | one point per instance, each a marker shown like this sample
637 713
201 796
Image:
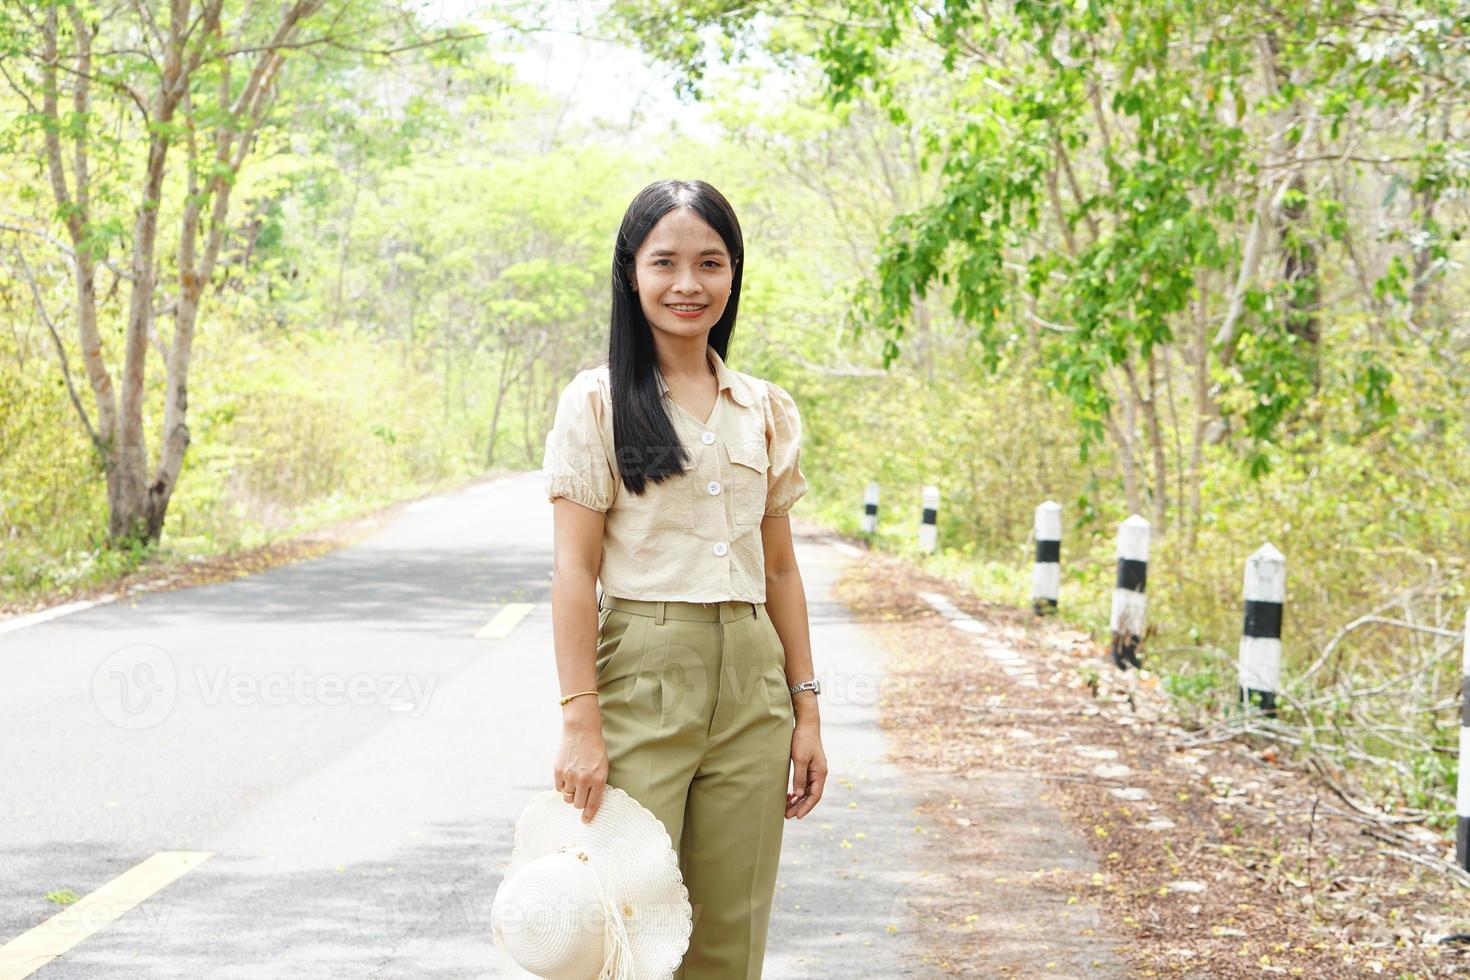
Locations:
685 309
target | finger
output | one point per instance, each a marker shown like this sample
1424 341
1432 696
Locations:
814 794
579 798
594 800
812 789
799 780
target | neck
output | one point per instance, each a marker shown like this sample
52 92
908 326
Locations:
683 358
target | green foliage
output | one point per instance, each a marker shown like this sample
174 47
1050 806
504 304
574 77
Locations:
392 312
1198 686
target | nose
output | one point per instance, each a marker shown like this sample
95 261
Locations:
686 282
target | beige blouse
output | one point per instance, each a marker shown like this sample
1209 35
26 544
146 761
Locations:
695 537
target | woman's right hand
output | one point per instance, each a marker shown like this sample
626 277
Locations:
581 763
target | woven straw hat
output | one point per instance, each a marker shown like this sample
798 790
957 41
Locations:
592 901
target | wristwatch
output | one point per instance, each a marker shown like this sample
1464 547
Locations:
814 686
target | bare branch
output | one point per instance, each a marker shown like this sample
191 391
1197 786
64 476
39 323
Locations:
336 43
1059 328
19 90
71 389
51 98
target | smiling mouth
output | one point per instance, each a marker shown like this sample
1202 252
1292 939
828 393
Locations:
686 307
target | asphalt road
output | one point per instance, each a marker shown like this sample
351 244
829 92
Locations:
329 761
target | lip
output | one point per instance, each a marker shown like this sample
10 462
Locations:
687 314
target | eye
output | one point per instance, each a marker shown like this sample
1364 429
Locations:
713 263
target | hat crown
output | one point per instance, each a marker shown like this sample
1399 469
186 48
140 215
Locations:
609 889
551 917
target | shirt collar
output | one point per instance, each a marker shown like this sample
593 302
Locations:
729 380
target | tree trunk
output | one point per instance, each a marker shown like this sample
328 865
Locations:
138 502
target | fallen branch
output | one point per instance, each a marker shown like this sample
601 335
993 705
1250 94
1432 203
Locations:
1456 874
1365 809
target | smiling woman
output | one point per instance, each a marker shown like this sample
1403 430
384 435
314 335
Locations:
672 475
683 268
677 270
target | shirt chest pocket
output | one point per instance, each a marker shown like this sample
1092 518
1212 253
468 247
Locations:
748 466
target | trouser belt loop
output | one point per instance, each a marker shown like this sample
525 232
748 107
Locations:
599 601
755 610
659 617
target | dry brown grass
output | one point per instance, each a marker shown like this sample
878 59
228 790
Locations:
1259 870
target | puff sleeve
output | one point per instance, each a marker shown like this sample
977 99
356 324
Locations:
785 483
576 465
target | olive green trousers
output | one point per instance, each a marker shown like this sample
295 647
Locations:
698 722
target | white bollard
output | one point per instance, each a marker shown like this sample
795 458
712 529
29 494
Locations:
1046 581
1462 795
870 508
1129 604
1260 637
928 532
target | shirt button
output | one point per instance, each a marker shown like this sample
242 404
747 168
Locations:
714 487
721 548
708 438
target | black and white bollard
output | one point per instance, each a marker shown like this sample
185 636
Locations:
928 532
870 509
1046 582
1462 794
1260 637
1129 603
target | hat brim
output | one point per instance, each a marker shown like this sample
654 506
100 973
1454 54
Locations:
637 863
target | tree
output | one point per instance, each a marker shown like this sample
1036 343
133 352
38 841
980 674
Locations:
113 93
1145 191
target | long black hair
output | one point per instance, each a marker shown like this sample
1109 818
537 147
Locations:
645 443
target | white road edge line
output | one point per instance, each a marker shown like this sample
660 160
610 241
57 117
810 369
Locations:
961 620
33 949
66 609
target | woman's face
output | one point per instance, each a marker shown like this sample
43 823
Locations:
683 274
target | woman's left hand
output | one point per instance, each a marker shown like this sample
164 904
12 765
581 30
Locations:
808 771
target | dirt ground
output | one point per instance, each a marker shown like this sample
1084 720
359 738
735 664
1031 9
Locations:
1213 859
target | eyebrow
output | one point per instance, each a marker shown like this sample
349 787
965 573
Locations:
669 251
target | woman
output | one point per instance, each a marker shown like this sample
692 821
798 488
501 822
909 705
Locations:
671 476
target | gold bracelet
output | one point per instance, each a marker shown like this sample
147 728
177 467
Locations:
577 695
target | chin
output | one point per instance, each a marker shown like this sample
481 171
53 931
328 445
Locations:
683 328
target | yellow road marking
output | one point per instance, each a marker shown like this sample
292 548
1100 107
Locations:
499 627
31 950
